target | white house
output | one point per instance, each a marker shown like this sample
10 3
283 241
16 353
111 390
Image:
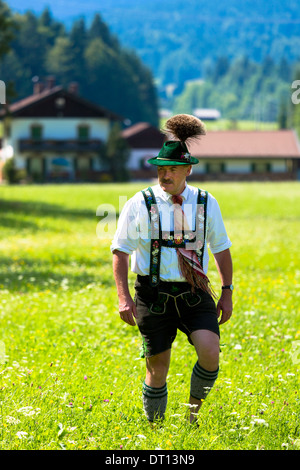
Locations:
54 134
244 155
207 114
223 155
144 141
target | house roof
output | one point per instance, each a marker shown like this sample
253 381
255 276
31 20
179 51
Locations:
143 136
56 102
246 144
223 144
207 113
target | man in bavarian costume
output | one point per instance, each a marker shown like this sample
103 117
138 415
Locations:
166 229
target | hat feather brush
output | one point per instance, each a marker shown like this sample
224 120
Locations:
184 127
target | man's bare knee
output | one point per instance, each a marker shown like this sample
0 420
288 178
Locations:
157 369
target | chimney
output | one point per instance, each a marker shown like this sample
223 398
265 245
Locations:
50 82
38 87
73 88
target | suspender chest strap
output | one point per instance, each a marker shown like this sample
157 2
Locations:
168 239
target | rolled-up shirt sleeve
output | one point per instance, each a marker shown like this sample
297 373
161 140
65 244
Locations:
217 237
132 224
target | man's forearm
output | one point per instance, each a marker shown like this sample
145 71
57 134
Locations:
224 265
120 271
127 309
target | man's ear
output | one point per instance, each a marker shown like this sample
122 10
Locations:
189 170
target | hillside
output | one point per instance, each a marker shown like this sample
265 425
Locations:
245 52
106 73
179 40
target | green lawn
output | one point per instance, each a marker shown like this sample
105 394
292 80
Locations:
70 372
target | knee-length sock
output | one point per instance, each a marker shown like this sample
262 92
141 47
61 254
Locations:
202 381
155 401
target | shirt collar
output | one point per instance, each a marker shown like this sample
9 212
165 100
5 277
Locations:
167 196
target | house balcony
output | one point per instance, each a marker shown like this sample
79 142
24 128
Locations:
60 145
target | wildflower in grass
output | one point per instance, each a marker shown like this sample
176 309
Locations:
28 411
22 434
12 420
260 422
71 428
296 443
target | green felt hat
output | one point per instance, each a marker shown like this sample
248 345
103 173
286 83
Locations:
173 152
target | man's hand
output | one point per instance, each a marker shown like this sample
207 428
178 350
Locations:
127 310
225 306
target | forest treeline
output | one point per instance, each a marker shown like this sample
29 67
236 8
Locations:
243 89
107 73
188 73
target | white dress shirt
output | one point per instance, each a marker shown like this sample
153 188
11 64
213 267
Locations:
133 231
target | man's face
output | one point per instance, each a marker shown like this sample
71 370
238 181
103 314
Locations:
172 178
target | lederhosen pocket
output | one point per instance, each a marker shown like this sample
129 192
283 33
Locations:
191 299
154 300
159 306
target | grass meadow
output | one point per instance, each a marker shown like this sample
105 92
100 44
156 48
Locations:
70 370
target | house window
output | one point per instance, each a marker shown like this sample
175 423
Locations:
36 168
215 167
83 164
261 167
36 132
83 132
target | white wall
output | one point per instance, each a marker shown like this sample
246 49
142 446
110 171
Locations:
199 168
136 155
237 166
279 166
55 128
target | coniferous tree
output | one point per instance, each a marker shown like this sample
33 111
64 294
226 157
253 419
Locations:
107 74
7 28
61 61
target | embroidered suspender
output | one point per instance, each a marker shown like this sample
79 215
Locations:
169 239
155 246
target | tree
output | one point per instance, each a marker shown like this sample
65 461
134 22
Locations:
99 29
283 116
116 154
107 74
220 69
61 60
7 28
7 33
